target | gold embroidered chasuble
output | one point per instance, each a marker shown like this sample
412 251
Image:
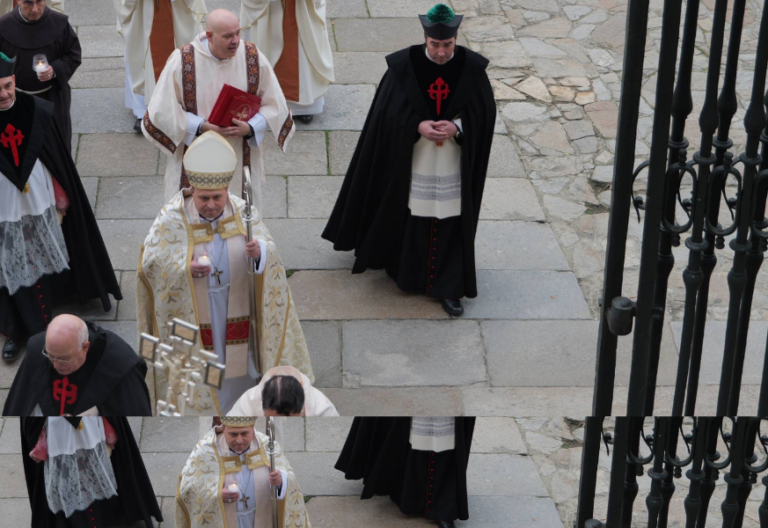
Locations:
198 496
167 290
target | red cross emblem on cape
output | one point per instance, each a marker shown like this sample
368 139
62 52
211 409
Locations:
65 392
11 139
438 91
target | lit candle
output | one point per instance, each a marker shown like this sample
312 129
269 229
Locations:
39 63
204 261
233 488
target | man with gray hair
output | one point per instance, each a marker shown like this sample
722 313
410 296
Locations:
76 368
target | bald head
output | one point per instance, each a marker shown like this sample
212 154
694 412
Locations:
222 28
66 343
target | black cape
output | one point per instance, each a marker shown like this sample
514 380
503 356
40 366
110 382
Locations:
372 208
90 275
116 386
378 450
135 500
52 36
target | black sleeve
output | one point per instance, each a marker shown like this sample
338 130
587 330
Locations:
65 66
129 398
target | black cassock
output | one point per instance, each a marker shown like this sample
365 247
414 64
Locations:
53 37
135 500
371 214
433 485
90 276
112 380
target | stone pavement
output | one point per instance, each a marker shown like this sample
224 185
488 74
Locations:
526 344
505 486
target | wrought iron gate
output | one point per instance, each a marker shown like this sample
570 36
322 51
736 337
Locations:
667 215
674 446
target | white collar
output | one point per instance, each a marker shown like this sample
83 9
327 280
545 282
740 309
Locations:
426 52
204 40
14 102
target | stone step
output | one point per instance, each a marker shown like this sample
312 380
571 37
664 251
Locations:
484 512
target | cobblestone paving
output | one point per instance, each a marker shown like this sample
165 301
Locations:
504 486
526 344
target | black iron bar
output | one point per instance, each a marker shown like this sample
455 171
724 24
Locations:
726 107
590 458
631 472
654 207
657 473
736 276
695 475
761 191
616 492
750 457
734 479
668 483
696 274
621 201
711 474
682 106
754 124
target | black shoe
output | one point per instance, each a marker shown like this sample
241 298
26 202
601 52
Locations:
12 349
445 524
137 126
452 306
306 119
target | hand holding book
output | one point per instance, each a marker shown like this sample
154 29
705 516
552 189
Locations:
233 104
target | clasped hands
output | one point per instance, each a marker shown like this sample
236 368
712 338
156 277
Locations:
437 131
238 128
252 250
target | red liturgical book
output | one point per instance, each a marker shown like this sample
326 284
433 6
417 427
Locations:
234 104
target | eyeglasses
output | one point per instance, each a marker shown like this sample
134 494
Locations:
57 360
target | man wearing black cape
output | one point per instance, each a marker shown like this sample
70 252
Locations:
135 500
33 29
420 462
410 201
50 244
78 368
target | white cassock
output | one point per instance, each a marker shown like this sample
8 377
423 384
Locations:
185 95
134 22
256 509
6 6
309 53
218 300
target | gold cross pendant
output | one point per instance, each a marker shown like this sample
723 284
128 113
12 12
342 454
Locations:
217 274
244 500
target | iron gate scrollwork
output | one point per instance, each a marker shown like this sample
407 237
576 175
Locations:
723 187
675 449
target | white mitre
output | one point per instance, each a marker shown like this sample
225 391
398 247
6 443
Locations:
315 402
210 162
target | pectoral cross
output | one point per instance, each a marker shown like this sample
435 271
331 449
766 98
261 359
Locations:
244 500
11 138
438 91
217 274
65 391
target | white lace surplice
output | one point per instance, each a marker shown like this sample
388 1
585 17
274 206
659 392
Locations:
31 241
78 470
